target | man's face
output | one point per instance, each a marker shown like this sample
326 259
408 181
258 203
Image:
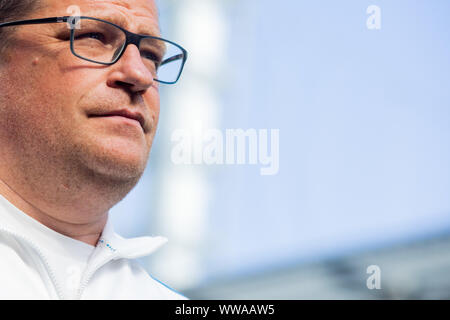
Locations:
49 96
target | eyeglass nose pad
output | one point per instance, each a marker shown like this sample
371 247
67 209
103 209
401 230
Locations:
116 53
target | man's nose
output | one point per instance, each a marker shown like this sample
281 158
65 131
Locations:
130 72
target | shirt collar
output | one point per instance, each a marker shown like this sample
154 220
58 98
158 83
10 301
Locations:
130 248
110 242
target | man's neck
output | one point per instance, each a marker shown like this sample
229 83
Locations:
85 231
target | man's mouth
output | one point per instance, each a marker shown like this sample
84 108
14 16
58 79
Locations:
136 116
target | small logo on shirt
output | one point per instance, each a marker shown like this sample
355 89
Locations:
102 243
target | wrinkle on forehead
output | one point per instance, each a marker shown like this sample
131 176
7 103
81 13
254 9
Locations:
117 2
126 3
124 14
151 28
148 4
121 12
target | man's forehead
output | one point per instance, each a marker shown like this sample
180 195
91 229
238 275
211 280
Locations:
140 14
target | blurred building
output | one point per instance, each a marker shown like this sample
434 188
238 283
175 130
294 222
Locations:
417 270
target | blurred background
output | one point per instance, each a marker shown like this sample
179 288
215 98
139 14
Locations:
351 99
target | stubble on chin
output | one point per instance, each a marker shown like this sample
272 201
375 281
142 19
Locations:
108 164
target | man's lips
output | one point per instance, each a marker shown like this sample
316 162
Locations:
126 114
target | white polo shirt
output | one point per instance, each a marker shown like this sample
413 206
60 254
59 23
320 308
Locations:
37 262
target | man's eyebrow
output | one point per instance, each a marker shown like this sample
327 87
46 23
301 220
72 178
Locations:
146 29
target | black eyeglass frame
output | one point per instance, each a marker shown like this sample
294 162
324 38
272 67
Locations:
131 38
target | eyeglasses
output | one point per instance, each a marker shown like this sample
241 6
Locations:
103 42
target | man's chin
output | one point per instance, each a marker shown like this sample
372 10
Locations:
117 172
118 159
125 167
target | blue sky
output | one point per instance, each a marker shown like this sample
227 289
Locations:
364 124
364 131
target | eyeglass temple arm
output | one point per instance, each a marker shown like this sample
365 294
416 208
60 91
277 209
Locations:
35 21
176 57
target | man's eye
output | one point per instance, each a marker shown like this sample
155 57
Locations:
91 35
151 56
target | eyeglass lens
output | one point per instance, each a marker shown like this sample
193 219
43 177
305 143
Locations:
102 42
